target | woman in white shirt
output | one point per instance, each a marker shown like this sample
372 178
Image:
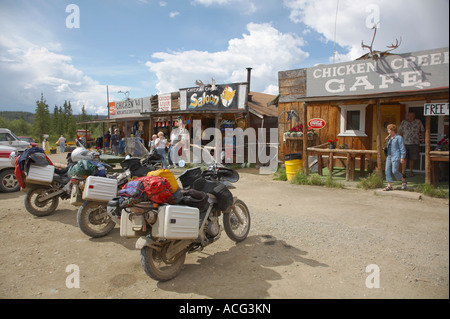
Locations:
160 145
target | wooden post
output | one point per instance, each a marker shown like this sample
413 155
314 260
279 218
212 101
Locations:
428 163
319 164
330 165
362 165
305 139
379 148
347 173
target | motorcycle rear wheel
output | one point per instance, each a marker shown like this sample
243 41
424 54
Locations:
236 222
40 209
93 219
157 267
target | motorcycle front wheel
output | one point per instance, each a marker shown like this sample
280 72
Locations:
157 267
37 208
236 222
93 219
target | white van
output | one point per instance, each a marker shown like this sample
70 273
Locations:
8 138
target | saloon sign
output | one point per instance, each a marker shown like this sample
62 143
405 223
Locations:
226 96
394 73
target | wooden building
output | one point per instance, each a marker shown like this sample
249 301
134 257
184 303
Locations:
358 99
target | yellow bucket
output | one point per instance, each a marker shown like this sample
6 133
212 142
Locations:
168 175
293 167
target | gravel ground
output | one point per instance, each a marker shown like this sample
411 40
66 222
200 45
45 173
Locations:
304 242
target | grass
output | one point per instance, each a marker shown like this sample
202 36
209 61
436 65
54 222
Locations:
302 179
280 174
429 190
373 181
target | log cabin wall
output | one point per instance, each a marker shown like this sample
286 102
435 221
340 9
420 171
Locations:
292 86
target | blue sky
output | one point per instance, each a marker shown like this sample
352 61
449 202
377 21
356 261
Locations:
151 46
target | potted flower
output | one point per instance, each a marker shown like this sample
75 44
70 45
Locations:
332 144
343 146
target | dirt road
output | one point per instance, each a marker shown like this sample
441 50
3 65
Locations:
305 242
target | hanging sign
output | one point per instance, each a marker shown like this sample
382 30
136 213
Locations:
317 123
435 109
217 97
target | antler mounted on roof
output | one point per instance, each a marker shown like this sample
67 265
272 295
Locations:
377 54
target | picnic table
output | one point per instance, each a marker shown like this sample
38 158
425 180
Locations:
349 155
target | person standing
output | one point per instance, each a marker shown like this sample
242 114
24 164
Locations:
151 144
107 140
160 145
396 154
62 143
114 142
413 134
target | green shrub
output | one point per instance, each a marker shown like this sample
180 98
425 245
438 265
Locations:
372 181
280 174
430 190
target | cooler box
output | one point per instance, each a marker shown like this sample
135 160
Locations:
100 189
176 222
40 174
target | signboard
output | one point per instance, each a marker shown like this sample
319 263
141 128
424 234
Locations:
434 109
125 109
217 97
316 123
164 102
415 71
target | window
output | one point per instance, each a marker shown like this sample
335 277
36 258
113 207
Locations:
353 120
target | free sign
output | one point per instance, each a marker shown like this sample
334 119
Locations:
435 109
316 123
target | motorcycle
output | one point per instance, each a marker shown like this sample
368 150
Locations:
92 216
167 232
45 184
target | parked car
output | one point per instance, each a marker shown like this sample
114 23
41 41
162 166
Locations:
8 182
8 138
29 140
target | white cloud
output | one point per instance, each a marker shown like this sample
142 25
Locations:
162 3
408 19
28 69
173 14
263 48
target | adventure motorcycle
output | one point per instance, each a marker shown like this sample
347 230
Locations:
43 183
167 232
92 216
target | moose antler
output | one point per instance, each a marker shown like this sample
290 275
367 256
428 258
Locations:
394 46
376 55
371 53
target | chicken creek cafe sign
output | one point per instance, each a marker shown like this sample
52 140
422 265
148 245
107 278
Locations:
415 71
130 108
214 97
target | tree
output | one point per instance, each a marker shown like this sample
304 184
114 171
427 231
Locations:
41 123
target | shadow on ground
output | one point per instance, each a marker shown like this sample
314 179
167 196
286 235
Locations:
243 271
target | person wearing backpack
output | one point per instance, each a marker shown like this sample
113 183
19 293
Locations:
395 154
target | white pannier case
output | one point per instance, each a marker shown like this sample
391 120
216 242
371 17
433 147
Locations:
176 222
42 175
100 189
